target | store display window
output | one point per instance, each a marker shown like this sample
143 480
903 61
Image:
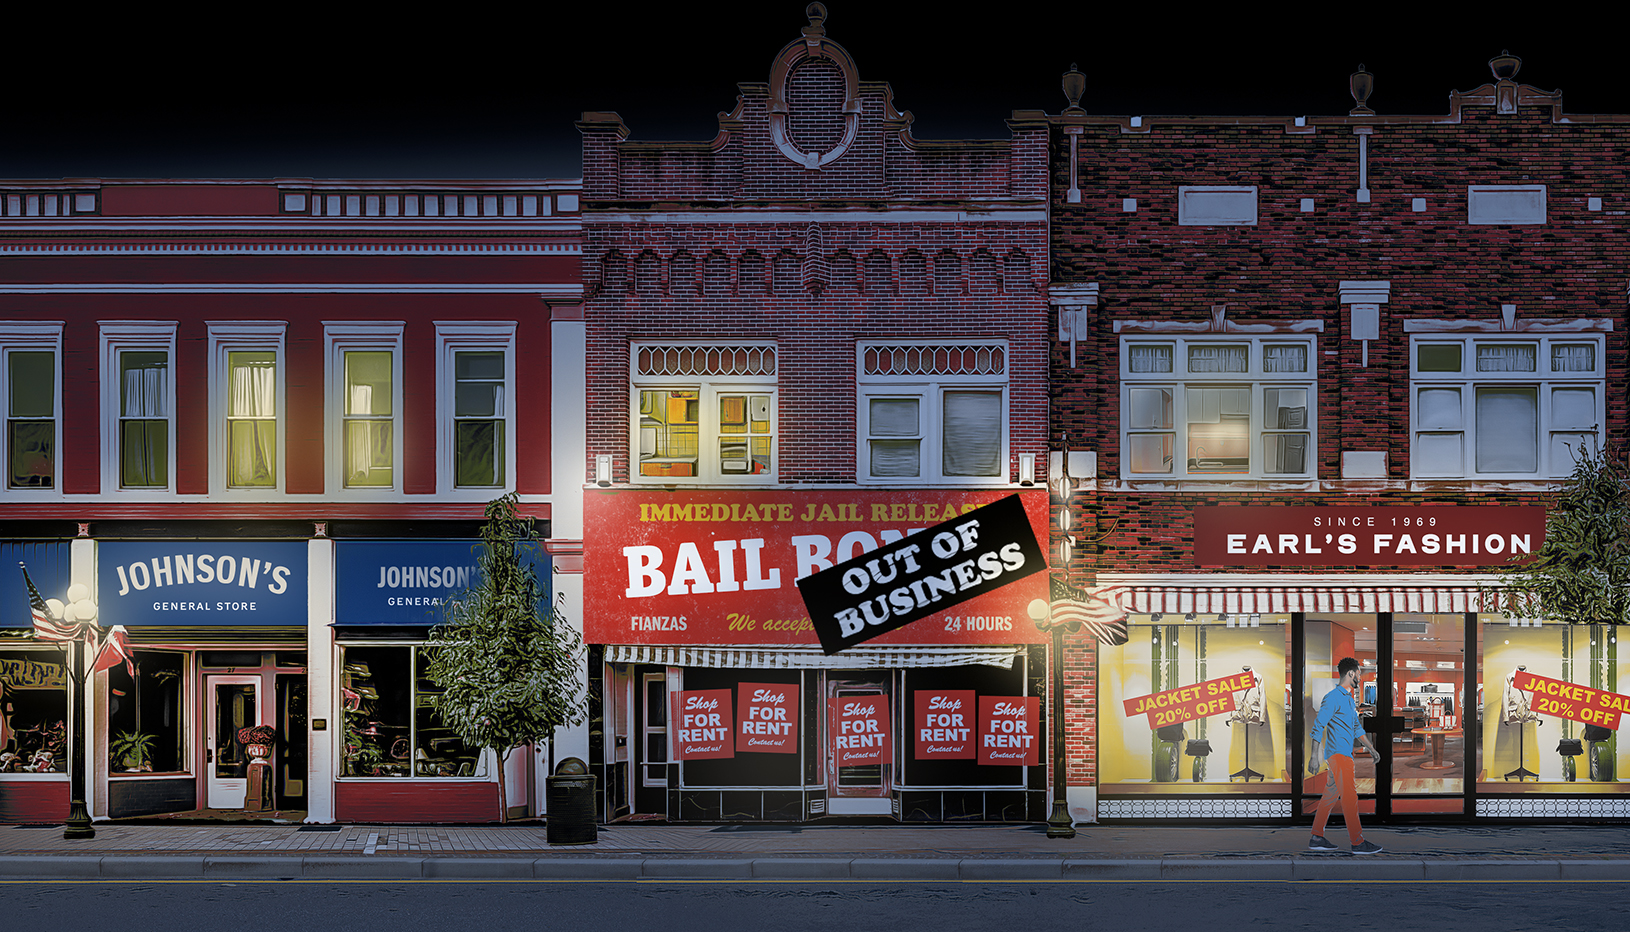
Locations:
145 722
1551 706
745 766
33 712
1195 705
391 727
944 727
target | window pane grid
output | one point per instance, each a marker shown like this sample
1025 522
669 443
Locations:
31 426
479 412
368 426
251 421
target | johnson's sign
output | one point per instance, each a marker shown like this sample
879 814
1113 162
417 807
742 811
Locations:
722 567
1387 535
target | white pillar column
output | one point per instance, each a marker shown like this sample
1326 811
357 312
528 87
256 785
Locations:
321 683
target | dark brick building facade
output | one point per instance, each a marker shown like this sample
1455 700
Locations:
1299 318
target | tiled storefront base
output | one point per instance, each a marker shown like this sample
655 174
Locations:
1192 808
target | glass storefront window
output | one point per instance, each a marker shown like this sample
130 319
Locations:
391 728
33 712
1531 742
145 731
1180 744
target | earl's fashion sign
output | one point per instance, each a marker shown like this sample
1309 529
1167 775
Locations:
1385 535
716 567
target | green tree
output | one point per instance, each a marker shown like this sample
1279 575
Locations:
1581 574
508 666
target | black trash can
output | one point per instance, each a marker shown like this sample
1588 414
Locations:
570 820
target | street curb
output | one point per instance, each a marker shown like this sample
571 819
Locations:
804 869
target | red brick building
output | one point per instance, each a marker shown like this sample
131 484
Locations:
807 337
249 419
1330 367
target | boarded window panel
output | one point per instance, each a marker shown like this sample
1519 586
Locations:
1507 430
894 417
1439 409
1514 204
1573 409
1438 357
1439 455
896 458
972 433
1216 206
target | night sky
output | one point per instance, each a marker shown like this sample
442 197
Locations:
471 91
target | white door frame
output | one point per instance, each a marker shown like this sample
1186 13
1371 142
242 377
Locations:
227 792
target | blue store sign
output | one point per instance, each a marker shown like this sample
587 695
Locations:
405 582
47 565
222 582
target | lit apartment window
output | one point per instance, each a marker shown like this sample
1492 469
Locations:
31 418
704 412
1217 407
247 432
138 401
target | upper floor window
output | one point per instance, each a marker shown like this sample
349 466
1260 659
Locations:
932 412
1239 407
139 398
364 440
703 412
32 398
1504 407
247 430
477 366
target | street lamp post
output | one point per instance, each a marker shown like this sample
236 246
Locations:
81 611
1059 823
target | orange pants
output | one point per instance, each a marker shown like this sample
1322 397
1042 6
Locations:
1339 782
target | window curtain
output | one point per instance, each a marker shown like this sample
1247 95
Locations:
1573 358
1517 357
145 428
252 454
1507 430
1284 359
1149 358
973 433
1219 359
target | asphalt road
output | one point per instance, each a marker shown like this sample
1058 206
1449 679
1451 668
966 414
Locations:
209 906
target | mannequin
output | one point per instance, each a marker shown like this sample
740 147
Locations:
1254 738
1517 714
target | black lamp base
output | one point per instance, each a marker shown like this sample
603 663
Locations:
78 824
1059 824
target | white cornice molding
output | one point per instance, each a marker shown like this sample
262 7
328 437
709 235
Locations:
287 249
549 290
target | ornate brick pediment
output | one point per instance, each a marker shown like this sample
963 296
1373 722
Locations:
814 96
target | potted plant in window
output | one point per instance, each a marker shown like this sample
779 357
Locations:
132 751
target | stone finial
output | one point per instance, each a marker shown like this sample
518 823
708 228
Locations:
1075 84
1505 66
1361 84
817 20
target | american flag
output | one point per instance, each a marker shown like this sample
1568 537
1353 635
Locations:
47 628
115 650
1096 609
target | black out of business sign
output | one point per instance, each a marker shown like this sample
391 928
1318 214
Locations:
921 575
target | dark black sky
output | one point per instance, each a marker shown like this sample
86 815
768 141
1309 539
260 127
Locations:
478 91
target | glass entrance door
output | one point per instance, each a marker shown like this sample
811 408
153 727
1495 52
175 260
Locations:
1412 701
860 750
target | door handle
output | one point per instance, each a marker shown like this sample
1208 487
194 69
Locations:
209 755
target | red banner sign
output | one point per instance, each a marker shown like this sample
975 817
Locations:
704 725
860 730
1571 701
769 718
1007 730
1386 535
716 566
944 724
1187 703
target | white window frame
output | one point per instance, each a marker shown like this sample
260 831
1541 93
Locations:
1468 380
31 336
232 336
931 389
1255 378
140 336
339 338
1190 196
1483 203
709 388
479 336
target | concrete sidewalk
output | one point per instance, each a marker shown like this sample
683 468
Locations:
821 852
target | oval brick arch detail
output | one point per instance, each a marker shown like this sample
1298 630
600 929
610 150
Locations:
814 96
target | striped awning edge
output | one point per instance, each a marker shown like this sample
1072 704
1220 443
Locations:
1277 600
811 658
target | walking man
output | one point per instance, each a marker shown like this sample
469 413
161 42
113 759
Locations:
1339 712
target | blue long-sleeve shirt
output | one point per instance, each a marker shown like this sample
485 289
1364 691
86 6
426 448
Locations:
1339 713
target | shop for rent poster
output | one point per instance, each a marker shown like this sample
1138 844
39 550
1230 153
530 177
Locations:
705 725
1007 730
944 720
768 719
859 726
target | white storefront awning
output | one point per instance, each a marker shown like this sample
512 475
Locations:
1356 593
813 658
